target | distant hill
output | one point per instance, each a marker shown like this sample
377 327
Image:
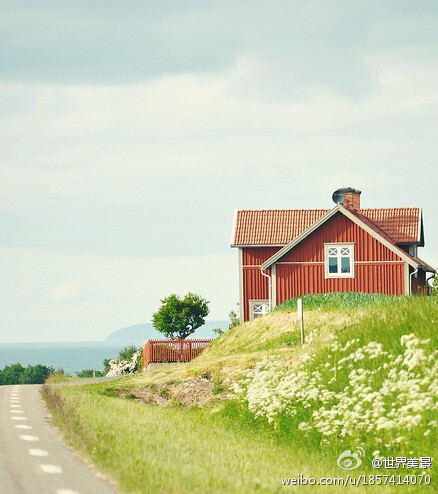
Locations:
138 333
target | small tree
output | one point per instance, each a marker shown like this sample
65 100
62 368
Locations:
234 318
218 331
179 317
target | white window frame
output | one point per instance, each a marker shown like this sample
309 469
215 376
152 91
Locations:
252 303
339 246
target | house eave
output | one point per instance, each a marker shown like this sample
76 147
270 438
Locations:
247 246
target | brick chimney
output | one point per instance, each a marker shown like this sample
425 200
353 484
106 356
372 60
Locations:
348 197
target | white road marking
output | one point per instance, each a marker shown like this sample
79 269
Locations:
51 469
17 411
23 426
14 399
19 418
66 491
26 437
13 405
38 452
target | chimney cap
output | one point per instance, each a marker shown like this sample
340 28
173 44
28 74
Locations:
339 194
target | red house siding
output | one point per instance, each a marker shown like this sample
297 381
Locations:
256 256
340 229
296 280
255 285
301 270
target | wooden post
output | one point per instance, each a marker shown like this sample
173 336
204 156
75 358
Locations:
301 318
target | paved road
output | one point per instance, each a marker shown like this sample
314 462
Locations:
33 458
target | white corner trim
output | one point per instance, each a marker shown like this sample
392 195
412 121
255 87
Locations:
420 223
241 297
233 229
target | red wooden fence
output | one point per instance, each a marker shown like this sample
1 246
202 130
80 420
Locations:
172 350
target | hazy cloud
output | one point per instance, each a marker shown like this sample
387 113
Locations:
65 292
129 132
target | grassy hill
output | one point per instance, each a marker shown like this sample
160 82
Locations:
257 406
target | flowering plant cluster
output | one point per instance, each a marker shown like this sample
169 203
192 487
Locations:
355 391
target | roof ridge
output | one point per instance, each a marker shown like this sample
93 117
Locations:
391 208
279 226
328 209
259 210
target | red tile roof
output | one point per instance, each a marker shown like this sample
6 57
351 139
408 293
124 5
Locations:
401 224
281 226
383 234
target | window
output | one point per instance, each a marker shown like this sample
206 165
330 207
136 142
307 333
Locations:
339 260
258 308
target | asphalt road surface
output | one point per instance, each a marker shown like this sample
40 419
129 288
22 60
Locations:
33 458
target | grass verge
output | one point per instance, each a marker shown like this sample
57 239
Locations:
147 449
221 447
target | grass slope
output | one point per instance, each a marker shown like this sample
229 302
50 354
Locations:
221 447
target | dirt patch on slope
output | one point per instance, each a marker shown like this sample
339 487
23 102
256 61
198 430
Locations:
198 391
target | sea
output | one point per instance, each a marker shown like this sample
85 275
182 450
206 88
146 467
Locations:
71 357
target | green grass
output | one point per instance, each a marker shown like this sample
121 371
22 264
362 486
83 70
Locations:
222 447
331 301
59 377
148 449
385 324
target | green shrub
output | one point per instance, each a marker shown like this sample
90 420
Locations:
90 373
32 374
127 352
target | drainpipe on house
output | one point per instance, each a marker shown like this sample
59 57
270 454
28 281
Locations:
410 280
269 288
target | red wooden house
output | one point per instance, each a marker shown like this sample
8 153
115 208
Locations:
288 253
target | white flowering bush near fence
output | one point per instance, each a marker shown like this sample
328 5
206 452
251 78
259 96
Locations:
351 391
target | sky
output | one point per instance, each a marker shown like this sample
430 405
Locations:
131 130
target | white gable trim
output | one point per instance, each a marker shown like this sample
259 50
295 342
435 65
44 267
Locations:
233 229
322 220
